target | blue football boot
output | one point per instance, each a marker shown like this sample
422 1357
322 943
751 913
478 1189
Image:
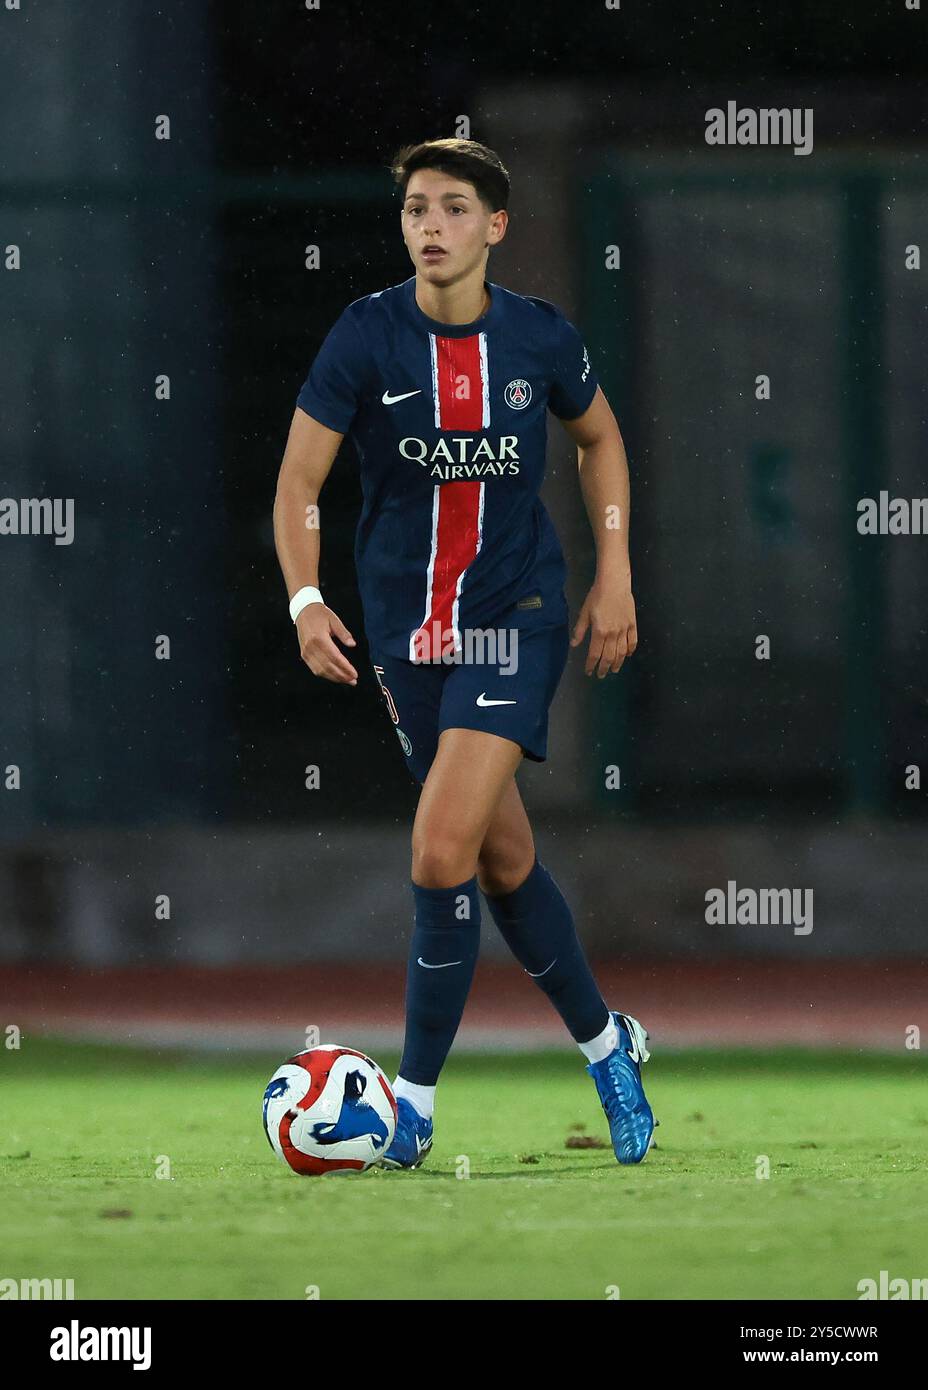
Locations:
618 1081
412 1140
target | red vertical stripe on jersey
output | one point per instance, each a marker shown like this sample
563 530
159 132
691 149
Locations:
455 547
456 532
460 383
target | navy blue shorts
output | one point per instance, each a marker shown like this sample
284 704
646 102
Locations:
503 686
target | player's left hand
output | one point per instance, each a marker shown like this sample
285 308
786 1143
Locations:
609 612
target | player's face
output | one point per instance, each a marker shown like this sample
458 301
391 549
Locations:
447 229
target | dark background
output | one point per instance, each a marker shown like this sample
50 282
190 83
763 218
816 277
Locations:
185 257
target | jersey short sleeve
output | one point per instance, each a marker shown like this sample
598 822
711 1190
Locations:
573 383
331 393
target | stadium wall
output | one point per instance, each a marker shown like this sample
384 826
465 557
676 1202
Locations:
97 899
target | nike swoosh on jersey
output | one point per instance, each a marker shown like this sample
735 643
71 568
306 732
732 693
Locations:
484 703
443 966
392 400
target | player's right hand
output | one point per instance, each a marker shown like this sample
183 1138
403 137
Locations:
316 627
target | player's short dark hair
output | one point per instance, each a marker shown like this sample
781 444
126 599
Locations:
462 159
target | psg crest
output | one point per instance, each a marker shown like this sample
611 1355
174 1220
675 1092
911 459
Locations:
518 394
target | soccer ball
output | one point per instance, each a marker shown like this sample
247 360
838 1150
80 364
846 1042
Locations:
329 1110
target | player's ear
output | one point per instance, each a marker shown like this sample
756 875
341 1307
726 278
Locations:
498 225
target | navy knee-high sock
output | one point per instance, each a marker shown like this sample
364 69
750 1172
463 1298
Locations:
538 928
442 957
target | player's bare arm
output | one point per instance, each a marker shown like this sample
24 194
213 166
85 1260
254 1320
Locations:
308 458
609 608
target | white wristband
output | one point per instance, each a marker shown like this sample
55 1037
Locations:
302 599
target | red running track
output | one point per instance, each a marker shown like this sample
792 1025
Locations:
765 1003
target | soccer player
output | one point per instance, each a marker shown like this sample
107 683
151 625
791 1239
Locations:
443 383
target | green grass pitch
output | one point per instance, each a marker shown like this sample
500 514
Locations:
84 1128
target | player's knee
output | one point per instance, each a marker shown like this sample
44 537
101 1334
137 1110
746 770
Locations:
504 871
442 863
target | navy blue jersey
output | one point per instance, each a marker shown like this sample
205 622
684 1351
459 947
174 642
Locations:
449 423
